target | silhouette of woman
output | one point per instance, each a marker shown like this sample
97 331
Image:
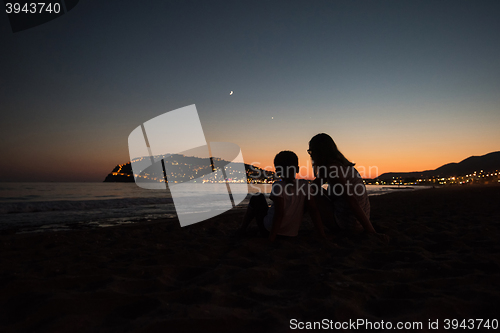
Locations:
344 204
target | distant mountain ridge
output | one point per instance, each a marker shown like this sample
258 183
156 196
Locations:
488 163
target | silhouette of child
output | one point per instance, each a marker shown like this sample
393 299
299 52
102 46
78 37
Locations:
290 197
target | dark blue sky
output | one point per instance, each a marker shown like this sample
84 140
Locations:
400 85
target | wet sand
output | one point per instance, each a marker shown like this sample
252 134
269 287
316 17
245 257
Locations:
443 262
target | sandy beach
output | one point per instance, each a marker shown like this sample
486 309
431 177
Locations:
442 263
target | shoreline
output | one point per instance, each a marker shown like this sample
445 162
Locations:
61 220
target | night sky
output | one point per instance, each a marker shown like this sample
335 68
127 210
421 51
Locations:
401 85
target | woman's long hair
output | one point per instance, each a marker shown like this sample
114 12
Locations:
324 151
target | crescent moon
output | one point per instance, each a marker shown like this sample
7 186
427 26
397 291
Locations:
231 92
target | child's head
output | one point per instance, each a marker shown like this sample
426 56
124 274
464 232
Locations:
286 164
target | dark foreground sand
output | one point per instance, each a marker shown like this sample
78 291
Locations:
443 262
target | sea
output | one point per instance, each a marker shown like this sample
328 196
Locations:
40 207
